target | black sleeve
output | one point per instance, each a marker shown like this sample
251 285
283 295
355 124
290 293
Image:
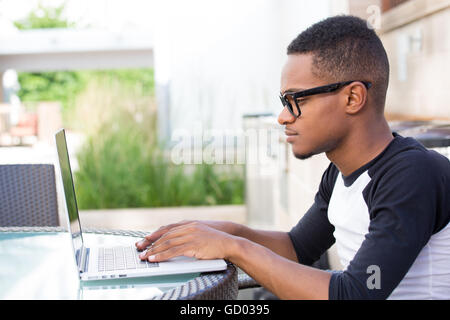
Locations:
313 234
408 204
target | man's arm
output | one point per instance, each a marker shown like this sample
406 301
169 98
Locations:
308 240
270 257
285 278
277 241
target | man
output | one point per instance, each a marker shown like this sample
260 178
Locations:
384 199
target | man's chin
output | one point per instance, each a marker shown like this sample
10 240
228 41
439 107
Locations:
303 156
304 152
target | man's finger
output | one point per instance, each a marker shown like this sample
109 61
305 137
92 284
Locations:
144 243
151 238
168 254
176 232
163 245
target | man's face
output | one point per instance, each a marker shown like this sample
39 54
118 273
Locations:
321 124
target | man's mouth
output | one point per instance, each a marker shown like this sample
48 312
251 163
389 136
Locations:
290 132
290 135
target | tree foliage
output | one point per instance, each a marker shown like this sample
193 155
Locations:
43 18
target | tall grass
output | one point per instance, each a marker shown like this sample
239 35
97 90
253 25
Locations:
122 165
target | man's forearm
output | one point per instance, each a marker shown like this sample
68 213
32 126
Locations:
283 277
278 242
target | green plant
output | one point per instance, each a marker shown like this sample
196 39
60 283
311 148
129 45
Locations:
122 165
121 168
65 86
44 17
62 86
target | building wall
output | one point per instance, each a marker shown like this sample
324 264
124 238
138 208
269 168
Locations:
418 46
415 35
224 61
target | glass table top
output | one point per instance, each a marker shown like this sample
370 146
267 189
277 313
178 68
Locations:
42 266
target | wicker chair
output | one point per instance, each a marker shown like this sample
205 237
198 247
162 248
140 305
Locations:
28 195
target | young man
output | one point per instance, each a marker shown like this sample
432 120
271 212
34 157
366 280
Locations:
384 199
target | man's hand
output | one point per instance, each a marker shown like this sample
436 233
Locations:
214 240
201 240
223 226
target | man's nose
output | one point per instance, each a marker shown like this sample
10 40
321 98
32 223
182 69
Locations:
285 117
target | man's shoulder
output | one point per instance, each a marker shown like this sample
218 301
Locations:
415 178
408 155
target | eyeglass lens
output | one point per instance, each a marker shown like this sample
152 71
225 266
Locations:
291 105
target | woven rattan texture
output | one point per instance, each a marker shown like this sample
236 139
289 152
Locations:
208 286
247 282
28 195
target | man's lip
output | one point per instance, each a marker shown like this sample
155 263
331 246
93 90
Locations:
290 133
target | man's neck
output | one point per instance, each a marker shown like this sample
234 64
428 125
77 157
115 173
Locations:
360 147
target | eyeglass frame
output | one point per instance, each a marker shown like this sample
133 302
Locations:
313 91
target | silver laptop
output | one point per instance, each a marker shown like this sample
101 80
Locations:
96 263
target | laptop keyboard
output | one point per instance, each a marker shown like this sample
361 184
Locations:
121 258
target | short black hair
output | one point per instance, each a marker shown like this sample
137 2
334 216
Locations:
346 48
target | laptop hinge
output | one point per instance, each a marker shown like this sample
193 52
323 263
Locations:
83 261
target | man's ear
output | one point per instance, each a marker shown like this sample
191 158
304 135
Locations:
356 95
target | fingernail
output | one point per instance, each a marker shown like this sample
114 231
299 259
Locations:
151 258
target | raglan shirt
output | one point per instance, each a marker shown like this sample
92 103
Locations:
390 222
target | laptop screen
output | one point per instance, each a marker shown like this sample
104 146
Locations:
69 192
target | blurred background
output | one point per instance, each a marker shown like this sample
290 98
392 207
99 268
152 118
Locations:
134 81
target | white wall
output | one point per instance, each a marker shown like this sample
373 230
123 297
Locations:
222 59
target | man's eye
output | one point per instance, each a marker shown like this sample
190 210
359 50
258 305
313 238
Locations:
301 101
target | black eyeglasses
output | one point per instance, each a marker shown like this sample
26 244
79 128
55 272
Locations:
290 99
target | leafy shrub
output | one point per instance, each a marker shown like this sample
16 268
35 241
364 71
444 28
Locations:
122 164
